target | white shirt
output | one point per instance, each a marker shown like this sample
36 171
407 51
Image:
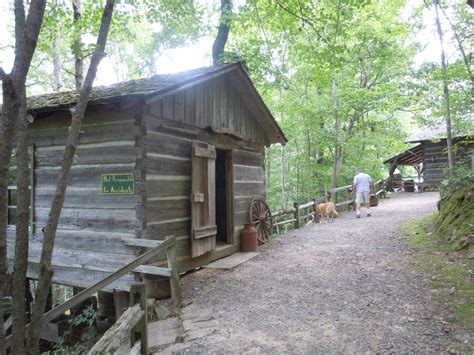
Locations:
362 182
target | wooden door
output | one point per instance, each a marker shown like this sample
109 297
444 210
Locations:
203 199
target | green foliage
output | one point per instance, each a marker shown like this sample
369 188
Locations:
331 73
140 31
455 224
449 273
85 318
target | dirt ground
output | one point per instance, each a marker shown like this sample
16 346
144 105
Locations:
343 287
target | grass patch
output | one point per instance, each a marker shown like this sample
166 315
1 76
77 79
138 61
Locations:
450 273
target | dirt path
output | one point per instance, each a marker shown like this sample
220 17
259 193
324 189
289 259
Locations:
346 287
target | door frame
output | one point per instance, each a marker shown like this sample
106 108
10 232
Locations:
229 169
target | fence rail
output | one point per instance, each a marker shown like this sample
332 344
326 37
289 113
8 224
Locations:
166 246
341 196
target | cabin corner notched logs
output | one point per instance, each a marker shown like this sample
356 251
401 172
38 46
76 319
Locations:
132 177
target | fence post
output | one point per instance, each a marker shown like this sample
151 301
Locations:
174 279
315 209
296 215
140 331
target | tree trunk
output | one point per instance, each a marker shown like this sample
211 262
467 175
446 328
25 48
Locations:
447 109
22 236
223 31
77 45
282 180
465 59
13 84
337 129
44 280
57 64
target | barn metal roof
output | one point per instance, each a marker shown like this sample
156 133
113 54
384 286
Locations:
411 157
159 85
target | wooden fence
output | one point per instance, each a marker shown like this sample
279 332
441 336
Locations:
155 249
301 213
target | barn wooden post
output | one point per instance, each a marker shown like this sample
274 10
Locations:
140 331
296 214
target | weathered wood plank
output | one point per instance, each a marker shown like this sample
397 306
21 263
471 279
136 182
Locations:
158 211
82 175
224 121
83 240
179 106
216 119
230 107
161 143
167 164
242 157
168 188
156 108
242 203
207 104
256 188
116 131
153 270
248 173
91 219
190 106
81 278
145 243
200 106
86 197
94 153
119 333
168 107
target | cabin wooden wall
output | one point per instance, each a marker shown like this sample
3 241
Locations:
249 183
89 238
168 160
435 160
215 103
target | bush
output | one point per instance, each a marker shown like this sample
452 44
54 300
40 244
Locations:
455 222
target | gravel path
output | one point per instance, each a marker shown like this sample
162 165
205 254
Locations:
345 287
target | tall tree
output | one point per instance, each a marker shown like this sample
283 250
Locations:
447 108
27 28
45 275
222 31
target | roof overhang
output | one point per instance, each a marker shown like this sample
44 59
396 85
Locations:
410 157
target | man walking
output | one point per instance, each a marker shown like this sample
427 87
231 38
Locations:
362 186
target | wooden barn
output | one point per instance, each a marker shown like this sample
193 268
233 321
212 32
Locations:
429 155
180 154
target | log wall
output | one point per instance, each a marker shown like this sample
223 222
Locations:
168 161
435 160
89 241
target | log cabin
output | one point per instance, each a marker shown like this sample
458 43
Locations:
429 156
180 154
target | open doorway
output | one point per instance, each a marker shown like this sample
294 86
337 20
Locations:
223 196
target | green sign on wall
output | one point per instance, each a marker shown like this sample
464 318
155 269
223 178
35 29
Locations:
118 184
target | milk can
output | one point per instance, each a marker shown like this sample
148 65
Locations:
249 238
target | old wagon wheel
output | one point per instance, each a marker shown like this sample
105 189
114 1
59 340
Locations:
261 218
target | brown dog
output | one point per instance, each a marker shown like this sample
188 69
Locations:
327 210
